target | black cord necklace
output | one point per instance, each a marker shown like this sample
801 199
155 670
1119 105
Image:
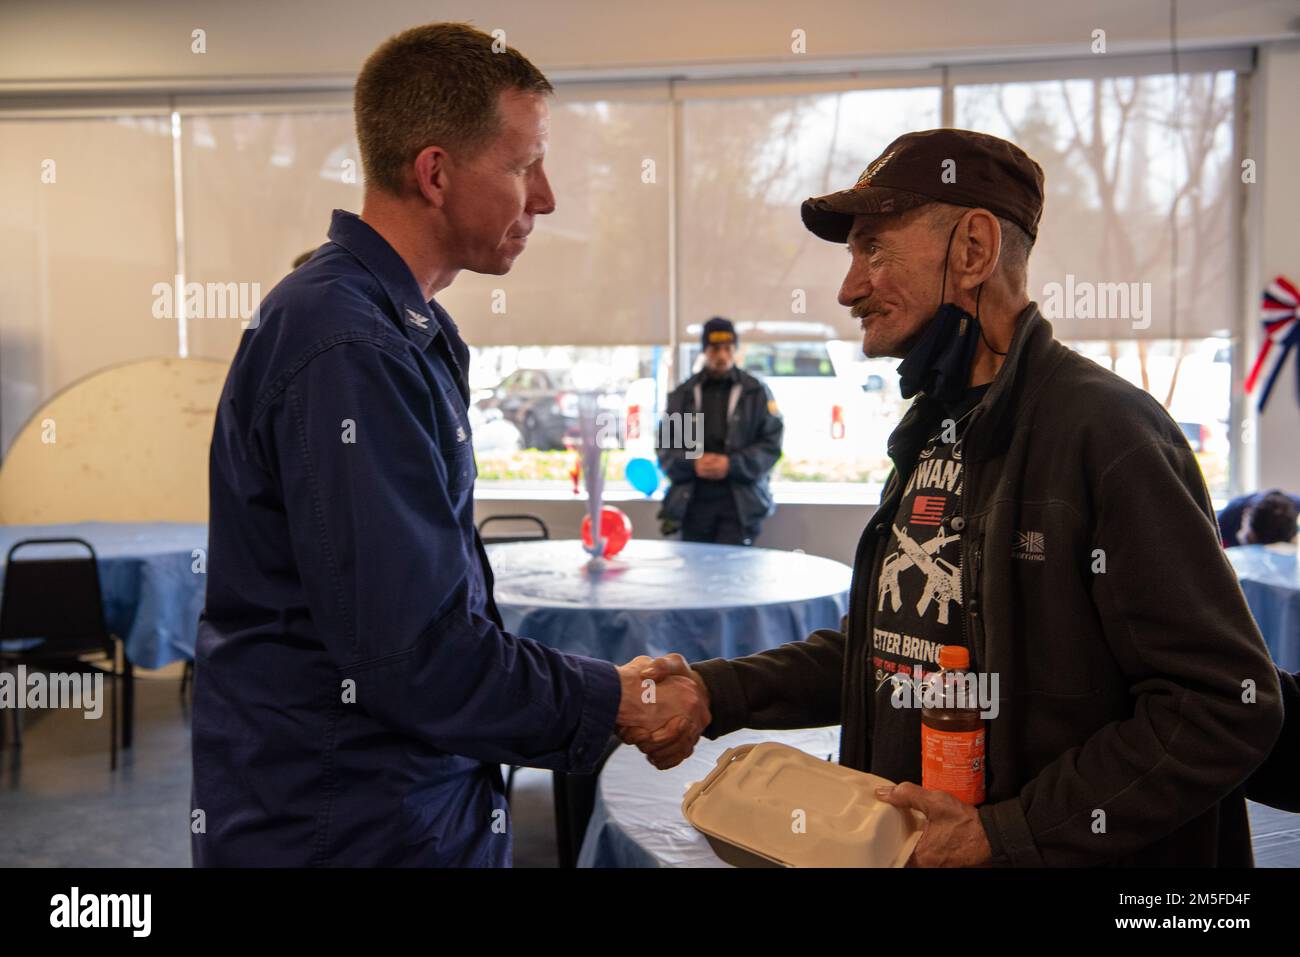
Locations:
979 292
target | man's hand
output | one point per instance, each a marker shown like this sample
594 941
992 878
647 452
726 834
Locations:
663 710
712 465
953 836
671 743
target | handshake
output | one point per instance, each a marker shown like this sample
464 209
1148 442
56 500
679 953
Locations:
664 708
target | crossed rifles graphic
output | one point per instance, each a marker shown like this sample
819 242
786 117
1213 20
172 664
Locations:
942 578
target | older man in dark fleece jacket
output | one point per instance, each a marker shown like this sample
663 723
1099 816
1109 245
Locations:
1045 514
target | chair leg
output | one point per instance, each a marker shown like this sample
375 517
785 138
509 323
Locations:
563 830
128 700
112 722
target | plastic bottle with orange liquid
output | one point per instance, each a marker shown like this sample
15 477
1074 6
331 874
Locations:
952 731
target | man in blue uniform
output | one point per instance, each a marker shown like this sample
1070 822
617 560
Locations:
355 692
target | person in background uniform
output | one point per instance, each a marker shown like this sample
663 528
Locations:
355 690
1263 518
719 493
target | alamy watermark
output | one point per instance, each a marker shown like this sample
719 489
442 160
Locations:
957 690
1083 299
74 909
21 690
208 300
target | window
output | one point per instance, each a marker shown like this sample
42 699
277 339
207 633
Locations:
676 202
525 418
1136 260
748 161
86 237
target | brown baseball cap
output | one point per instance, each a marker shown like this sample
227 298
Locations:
960 167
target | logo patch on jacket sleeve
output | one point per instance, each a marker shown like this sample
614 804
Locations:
771 407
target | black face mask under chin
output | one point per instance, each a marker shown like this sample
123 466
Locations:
939 363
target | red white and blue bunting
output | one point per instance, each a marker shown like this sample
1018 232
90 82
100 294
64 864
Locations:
1280 310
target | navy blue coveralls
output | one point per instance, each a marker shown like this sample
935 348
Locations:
354 691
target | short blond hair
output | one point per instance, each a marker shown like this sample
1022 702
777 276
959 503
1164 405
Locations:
433 85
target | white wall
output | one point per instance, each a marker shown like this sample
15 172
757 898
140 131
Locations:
77 41
1276 139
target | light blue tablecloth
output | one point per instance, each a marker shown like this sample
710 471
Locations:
637 819
152 576
1270 580
703 601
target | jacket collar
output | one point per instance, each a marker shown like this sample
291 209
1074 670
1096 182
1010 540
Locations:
422 321
1021 376
737 376
731 377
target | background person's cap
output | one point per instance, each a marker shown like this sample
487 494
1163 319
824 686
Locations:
913 170
718 331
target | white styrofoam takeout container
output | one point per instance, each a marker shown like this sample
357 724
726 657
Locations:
771 805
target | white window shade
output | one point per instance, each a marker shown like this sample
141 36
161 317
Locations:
1117 153
748 164
259 190
595 271
82 253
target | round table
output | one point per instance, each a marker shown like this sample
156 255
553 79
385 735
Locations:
152 578
1270 580
703 601
637 819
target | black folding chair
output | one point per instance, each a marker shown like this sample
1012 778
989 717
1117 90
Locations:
543 532
575 799
58 601
187 681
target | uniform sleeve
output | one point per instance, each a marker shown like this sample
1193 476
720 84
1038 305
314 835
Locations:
384 567
1203 691
798 685
756 460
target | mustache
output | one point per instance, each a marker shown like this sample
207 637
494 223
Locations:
862 307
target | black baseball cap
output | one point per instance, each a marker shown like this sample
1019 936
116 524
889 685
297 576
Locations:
960 167
718 331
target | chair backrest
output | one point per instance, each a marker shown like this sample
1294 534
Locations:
57 599
542 534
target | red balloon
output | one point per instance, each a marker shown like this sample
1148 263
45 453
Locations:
615 529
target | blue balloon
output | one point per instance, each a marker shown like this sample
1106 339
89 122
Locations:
643 475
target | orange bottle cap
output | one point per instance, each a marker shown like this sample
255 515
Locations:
954 658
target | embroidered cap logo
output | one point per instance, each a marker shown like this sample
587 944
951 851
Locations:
871 171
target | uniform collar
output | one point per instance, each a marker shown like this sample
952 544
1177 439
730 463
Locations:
423 321
418 318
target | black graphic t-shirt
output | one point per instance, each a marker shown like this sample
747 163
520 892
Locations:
918 594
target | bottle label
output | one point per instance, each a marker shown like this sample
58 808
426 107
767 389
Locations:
953 761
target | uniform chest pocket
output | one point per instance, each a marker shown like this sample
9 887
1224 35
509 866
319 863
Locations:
456 446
